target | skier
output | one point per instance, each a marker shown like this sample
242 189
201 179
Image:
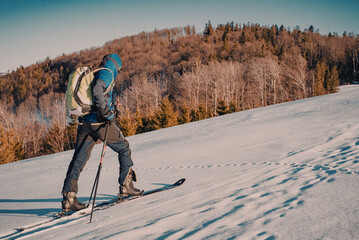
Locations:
92 127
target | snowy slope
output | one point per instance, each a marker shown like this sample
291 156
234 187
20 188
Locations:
289 171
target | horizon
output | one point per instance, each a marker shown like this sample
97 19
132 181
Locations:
46 28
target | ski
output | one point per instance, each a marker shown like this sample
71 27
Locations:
101 206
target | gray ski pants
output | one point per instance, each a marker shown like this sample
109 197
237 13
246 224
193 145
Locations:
87 135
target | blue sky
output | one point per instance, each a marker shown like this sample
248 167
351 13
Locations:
32 30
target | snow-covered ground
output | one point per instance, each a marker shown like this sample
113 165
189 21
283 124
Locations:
288 171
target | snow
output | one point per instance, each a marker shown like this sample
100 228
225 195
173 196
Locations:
288 171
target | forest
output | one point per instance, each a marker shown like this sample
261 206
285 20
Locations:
176 76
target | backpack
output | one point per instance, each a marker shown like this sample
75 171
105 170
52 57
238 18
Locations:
79 90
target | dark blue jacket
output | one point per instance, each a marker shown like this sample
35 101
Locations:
104 81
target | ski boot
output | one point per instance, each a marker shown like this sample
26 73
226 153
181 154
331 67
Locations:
70 202
127 189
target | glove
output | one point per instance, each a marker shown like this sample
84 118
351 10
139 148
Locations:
108 114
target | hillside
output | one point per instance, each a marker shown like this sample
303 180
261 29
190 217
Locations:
287 171
228 68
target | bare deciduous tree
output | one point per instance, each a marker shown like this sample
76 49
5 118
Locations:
298 75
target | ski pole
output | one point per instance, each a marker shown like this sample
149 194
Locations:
97 179
98 173
93 187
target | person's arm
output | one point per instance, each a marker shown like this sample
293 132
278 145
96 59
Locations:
100 101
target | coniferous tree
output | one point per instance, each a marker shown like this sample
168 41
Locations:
194 115
128 127
185 115
149 123
333 80
222 108
226 45
10 146
202 113
199 114
4 152
321 70
243 38
311 29
139 122
71 133
53 141
208 31
232 107
166 116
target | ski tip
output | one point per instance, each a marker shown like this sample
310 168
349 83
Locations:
179 182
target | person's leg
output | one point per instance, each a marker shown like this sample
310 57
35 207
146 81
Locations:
117 142
84 146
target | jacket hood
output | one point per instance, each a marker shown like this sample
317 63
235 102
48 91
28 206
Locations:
112 62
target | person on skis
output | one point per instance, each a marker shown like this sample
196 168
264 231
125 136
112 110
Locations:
92 127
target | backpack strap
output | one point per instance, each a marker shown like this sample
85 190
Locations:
116 64
108 57
112 85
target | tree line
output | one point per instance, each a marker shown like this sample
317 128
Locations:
176 76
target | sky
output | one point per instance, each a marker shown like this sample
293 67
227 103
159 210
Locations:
31 31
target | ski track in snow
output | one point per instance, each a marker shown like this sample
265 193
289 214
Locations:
235 191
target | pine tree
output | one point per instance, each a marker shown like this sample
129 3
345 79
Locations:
242 39
185 115
10 146
128 127
333 80
320 77
226 45
54 140
222 108
149 123
4 149
208 31
311 29
139 122
273 31
166 116
71 133
202 113
194 116
232 107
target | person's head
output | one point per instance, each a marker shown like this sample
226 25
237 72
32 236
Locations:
112 62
